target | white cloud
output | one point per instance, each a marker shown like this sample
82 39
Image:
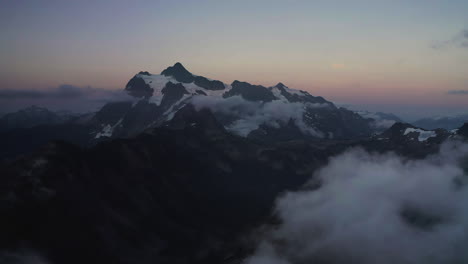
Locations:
375 208
383 123
250 115
379 123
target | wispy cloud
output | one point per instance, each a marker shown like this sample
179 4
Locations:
460 40
459 92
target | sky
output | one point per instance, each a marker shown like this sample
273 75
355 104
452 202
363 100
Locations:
407 57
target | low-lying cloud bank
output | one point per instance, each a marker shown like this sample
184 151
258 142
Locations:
458 92
63 97
376 208
381 121
250 115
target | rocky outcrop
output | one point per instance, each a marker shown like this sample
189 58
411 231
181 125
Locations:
250 92
179 73
137 87
303 97
208 84
172 93
463 131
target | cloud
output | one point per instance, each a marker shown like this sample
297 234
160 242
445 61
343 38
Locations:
375 208
248 116
62 92
383 124
18 94
64 97
381 121
459 92
459 40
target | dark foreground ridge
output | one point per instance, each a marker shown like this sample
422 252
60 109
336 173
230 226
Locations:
185 192
181 193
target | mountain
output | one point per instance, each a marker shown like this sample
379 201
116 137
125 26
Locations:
185 192
243 108
407 132
17 142
269 114
446 122
30 117
462 131
410 141
33 127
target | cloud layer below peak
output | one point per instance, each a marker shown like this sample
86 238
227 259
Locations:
374 208
248 115
68 97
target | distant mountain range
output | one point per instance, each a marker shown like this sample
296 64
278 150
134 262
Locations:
182 172
269 114
30 117
187 191
446 122
276 113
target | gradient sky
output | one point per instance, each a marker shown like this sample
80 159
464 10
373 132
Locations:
395 56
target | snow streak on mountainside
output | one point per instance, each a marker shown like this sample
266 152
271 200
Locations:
407 133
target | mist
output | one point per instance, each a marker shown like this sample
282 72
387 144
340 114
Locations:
250 115
375 208
381 122
64 97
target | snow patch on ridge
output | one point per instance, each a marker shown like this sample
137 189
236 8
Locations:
169 113
423 134
108 130
157 82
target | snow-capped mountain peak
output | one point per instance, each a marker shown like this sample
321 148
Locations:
241 107
179 73
151 85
